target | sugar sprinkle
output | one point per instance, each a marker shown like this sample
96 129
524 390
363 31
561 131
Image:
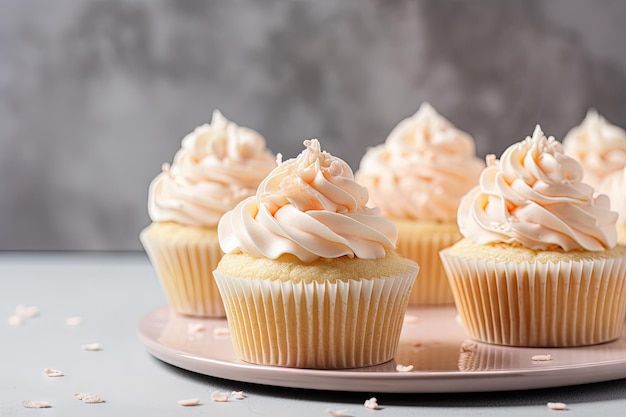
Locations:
221 331
189 402
372 403
219 396
337 413
238 395
27 312
36 404
557 406
52 372
88 398
73 321
541 358
404 368
91 347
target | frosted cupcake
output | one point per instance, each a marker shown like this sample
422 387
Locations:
614 186
217 166
310 278
539 264
417 178
598 145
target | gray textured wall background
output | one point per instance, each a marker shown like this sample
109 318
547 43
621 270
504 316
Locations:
95 95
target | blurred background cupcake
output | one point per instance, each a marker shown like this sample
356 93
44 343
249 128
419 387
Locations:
310 278
217 166
614 186
417 178
539 264
598 145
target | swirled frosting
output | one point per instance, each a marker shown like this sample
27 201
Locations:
598 145
614 186
310 207
217 166
422 170
534 196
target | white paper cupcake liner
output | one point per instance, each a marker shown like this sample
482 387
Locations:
324 325
185 270
549 304
432 288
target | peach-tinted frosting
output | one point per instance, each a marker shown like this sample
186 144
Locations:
534 196
598 145
422 170
310 207
217 166
614 186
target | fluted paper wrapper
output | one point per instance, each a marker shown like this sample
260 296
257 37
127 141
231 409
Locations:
432 288
553 304
323 325
185 270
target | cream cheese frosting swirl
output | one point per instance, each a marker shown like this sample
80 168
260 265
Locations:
422 170
534 196
217 166
598 145
614 186
310 207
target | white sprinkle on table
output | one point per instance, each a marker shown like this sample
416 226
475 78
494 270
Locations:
73 321
238 395
52 372
189 402
88 398
337 413
372 403
26 312
557 406
91 347
541 358
36 404
219 396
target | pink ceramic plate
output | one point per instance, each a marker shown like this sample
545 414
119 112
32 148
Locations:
432 341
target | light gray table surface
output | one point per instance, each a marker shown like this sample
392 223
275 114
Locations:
111 292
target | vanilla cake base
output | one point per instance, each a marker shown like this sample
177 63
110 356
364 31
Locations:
328 314
421 242
184 258
512 295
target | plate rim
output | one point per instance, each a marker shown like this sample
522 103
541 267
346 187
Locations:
402 382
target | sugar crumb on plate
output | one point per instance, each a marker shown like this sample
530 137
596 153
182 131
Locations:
404 368
541 358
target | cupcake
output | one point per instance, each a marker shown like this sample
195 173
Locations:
538 265
310 278
417 178
614 186
598 145
217 166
